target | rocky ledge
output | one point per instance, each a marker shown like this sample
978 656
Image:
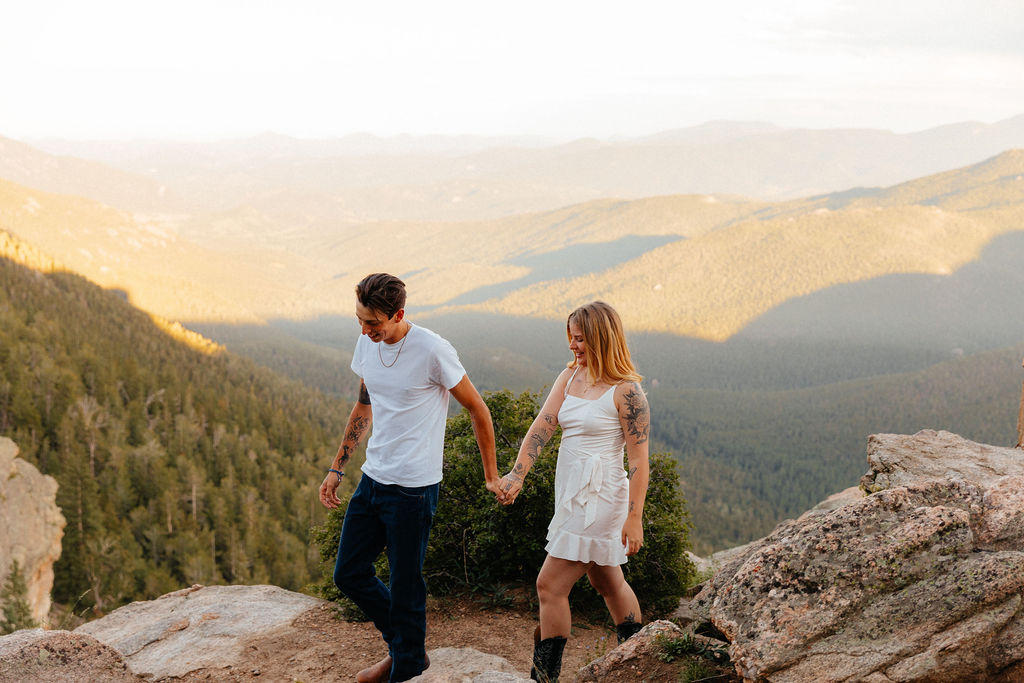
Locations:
919 578
918 575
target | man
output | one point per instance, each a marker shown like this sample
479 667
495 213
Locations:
407 374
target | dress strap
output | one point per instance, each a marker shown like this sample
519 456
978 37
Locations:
565 391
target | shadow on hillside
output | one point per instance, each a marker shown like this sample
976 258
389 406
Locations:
574 261
893 324
978 307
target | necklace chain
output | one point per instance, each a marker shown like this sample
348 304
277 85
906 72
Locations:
400 347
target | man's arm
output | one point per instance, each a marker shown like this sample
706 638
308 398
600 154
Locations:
359 421
467 395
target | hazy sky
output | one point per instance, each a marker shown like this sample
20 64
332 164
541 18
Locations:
312 68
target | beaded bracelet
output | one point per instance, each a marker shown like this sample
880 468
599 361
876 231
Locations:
340 474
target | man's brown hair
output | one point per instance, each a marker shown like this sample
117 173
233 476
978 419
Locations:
382 293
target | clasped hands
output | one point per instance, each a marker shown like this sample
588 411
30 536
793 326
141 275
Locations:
507 488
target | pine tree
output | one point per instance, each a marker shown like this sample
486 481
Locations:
17 614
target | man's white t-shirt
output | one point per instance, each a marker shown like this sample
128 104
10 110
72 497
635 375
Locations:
410 404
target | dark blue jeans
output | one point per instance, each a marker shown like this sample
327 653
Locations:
397 518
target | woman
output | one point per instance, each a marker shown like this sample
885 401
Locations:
598 506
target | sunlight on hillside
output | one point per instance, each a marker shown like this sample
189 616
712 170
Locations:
186 336
703 266
25 254
711 286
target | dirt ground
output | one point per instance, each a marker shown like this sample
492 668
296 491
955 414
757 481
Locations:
323 647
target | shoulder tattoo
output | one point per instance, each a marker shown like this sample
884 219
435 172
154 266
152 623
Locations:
637 413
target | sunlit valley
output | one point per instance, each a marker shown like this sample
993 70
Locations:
787 293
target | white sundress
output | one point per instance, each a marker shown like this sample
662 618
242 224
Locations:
591 488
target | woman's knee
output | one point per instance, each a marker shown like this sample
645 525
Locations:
549 588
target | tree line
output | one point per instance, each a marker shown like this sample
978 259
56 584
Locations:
175 465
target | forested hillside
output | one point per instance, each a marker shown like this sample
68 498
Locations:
750 459
177 461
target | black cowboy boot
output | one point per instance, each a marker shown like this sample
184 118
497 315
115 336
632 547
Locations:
547 660
626 630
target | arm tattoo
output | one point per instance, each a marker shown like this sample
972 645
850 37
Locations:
638 416
364 395
346 453
539 435
632 471
358 427
538 439
632 504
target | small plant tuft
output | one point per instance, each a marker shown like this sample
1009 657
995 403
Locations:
17 613
673 648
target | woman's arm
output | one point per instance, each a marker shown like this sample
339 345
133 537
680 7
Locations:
635 416
540 432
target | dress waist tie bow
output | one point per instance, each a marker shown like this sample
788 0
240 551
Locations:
583 485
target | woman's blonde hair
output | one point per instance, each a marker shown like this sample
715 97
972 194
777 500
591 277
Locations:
608 356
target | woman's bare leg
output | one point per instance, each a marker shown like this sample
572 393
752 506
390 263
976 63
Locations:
555 580
617 594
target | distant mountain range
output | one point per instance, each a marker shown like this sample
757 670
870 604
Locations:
364 178
704 266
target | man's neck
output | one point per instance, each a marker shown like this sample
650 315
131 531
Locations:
404 330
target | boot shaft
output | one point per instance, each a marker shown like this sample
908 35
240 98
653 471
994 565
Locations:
627 630
547 660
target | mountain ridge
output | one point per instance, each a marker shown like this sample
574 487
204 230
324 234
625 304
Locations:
458 178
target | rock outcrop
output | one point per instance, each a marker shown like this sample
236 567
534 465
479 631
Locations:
464 664
196 628
919 576
639 658
178 637
32 526
223 632
920 581
38 656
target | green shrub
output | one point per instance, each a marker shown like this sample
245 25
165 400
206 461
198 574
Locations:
480 545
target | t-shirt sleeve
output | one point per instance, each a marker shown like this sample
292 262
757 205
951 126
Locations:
357 356
448 371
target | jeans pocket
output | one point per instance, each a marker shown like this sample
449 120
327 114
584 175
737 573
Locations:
412 492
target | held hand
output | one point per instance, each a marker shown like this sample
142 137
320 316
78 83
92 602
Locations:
632 536
511 484
494 486
329 491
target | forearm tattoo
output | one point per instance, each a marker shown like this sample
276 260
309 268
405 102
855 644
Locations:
346 453
517 475
638 415
537 442
364 395
632 471
357 427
